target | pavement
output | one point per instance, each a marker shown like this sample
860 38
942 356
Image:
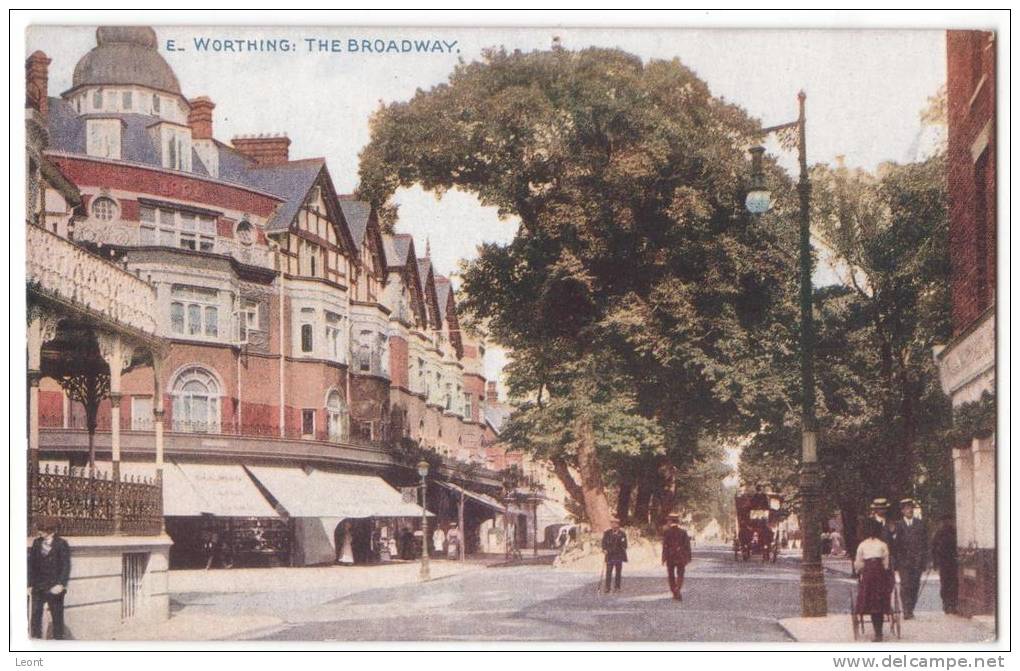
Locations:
927 626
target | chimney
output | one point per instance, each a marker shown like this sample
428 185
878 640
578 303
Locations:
37 69
491 394
200 118
264 149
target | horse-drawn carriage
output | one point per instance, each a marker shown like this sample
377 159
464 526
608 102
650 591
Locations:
758 516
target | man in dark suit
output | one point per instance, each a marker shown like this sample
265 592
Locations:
49 569
879 512
676 554
614 545
910 555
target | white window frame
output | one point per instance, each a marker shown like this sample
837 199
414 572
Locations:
194 299
338 419
141 413
168 227
103 138
184 401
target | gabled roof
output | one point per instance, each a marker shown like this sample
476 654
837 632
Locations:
292 181
400 245
357 213
443 288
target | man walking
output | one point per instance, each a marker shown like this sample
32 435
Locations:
614 545
676 554
49 569
943 550
910 555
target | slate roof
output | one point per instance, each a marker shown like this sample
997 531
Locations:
356 212
443 288
291 181
400 245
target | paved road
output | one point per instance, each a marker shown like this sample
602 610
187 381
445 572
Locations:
724 600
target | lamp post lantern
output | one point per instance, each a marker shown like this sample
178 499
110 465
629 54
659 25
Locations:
812 581
423 471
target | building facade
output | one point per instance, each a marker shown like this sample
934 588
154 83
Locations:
302 343
967 362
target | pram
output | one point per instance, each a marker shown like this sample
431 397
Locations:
862 621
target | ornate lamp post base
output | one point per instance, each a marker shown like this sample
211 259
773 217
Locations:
813 600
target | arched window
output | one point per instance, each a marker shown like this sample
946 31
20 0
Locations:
196 401
337 418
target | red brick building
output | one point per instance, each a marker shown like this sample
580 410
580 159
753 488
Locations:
300 335
967 362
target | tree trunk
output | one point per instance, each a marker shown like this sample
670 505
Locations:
623 502
642 502
562 471
596 504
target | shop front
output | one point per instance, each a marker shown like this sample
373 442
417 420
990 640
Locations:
217 517
487 522
340 517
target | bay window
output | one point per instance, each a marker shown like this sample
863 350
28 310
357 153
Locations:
194 311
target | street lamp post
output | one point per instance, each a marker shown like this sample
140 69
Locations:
424 574
812 582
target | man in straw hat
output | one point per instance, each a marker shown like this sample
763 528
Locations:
879 511
676 554
910 554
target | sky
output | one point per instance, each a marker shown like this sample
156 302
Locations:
865 91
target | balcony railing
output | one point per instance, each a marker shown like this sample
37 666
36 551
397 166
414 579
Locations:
92 503
360 434
60 269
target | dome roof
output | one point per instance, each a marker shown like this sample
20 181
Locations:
125 55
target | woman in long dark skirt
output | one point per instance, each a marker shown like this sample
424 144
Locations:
875 579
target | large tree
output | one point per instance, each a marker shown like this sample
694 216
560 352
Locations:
636 279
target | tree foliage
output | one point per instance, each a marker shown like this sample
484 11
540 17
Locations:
639 299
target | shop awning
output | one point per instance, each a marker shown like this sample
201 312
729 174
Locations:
190 490
485 499
319 493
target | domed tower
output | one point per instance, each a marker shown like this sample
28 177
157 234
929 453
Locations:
125 73
124 77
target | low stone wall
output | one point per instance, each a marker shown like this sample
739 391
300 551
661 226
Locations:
95 601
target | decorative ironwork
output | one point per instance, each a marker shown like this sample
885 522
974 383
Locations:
72 274
83 502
